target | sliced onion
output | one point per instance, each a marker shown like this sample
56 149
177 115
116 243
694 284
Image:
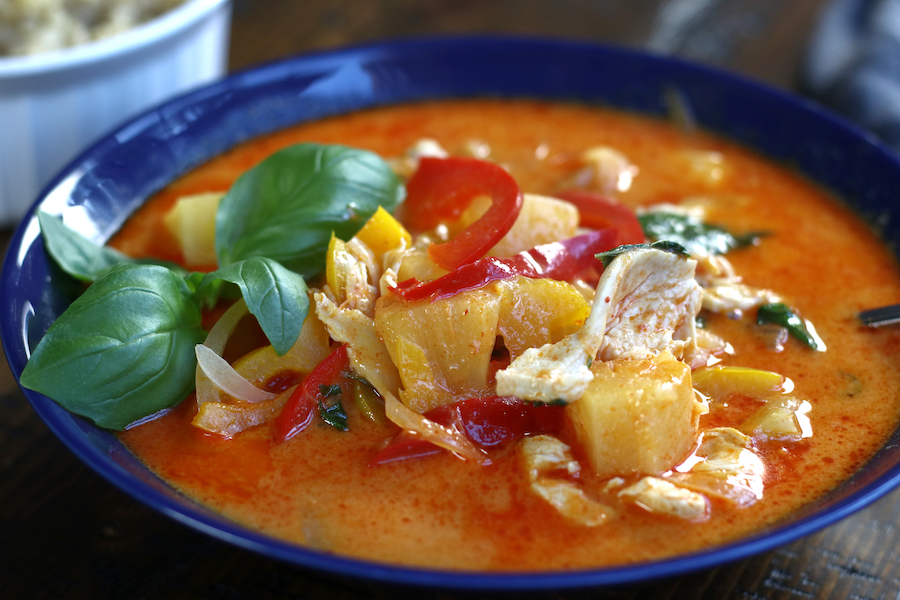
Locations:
230 419
225 378
216 340
445 437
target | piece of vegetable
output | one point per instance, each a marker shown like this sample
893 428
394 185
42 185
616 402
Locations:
719 382
287 207
693 234
276 296
802 329
602 212
441 188
310 395
493 423
103 357
637 416
561 260
382 232
369 404
192 222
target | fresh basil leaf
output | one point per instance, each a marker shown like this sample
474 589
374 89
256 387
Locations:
334 414
276 296
83 259
665 246
123 350
802 329
696 236
75 254
286 207
328 391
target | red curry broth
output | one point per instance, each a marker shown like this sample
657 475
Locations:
319 490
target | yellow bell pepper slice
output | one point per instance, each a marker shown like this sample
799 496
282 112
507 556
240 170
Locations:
720 382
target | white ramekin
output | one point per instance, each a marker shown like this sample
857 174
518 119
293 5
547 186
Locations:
54 104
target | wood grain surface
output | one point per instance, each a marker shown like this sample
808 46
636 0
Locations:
66 533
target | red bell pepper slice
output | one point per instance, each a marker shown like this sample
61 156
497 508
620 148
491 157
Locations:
560 260
439 191
300 408
599 212
493 422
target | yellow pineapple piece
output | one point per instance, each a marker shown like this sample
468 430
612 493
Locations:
637 416
192 221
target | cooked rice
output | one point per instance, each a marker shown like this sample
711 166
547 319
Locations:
32 26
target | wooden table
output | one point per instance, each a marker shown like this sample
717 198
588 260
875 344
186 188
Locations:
64 532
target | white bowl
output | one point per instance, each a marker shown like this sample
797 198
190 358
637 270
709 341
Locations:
53 104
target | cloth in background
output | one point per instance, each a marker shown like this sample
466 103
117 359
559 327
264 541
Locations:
853 64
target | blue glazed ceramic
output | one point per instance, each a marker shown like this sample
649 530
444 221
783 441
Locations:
101 189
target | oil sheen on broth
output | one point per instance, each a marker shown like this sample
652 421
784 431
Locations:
318 488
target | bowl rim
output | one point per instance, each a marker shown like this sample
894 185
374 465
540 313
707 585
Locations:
70 428
147 34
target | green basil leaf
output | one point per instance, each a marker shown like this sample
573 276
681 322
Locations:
276 296
123 350
802 329
334 414
666 246
83 259
75 254
286 207
696 236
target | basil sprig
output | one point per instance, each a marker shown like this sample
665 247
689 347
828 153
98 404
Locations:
780 314
125 349
692 233
287 207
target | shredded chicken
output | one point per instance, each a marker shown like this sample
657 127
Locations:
645 304
663 497
546 458
725 466
367 352
723 289
405 165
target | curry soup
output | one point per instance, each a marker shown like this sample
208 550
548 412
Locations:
319 488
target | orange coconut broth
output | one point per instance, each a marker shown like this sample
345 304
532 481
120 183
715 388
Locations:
319 489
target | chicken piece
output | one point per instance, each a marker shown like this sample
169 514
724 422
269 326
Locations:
637 416
605 168
645 304
351 273
545 459
405 165
368 354
724 466
723 289
663 497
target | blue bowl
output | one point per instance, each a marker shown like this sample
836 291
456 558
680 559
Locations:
109 181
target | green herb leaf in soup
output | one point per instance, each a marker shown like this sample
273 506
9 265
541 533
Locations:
75 254
123 350
665 246
276 296
286 207
692 233
802 329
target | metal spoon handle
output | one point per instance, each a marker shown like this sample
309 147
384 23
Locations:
885 315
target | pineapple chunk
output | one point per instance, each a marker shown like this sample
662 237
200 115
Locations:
442 349
192 221
535 312
637 416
